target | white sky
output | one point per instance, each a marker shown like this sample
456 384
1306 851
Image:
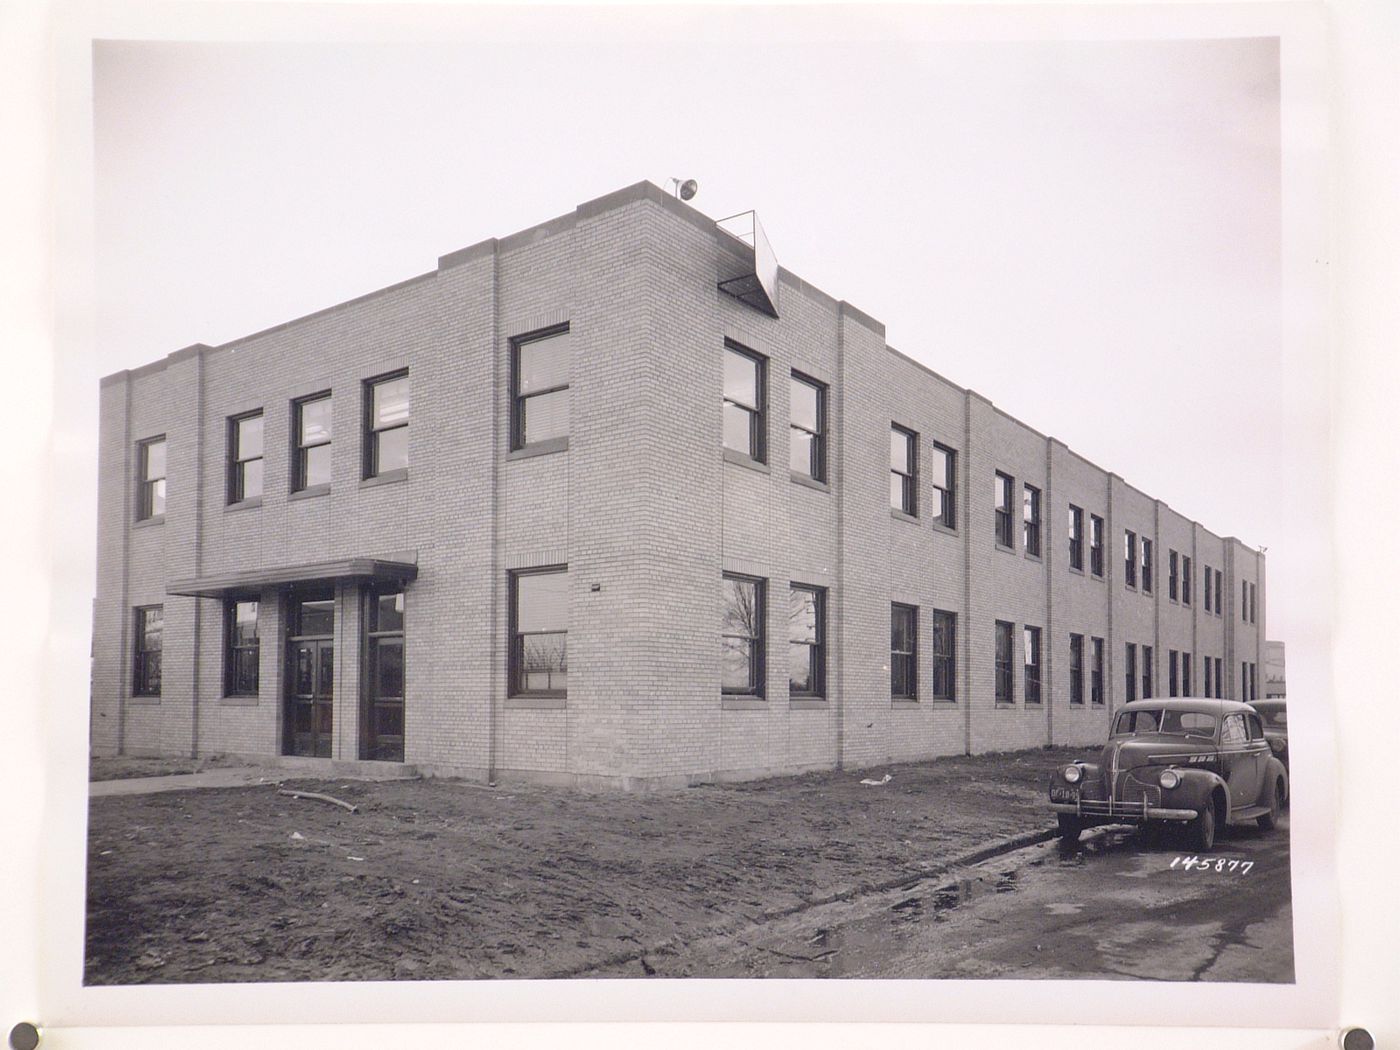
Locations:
1088 233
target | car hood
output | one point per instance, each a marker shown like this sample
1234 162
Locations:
1151 750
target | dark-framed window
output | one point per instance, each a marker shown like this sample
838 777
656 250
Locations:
311 441
1206 685
1219 677
384 707
1244 680
1129 672
150 479
540 367
1146 565
1076 668
241 647
945 485
1005 647
742 634
1031 637
386 424
904 651
1076 537
150 624
1186 676
1171 673
539 631
1254 681
1253 605
1219 592
904 470
245 457
1147 675
745 402
1173 576
807 430
1244 600
807 641
1186 574
943 685
1096 671
1096 534
1206 581
1030 519
1004 488
1130 558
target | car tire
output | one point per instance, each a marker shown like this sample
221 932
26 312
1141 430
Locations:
1201 831
1070 827
1270 819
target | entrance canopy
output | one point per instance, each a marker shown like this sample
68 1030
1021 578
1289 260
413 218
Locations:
370 570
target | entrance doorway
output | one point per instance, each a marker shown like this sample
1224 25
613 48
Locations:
308 717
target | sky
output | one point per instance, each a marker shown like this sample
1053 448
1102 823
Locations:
1087 232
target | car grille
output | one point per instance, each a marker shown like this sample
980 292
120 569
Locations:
1134 800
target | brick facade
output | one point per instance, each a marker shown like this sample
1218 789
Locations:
646 511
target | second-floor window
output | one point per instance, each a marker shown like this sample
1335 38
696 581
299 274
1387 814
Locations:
540 367
1130 558
945 476
1003 493
1096 534
1146 565
386 425
245 457
1076 537
1205 581
311 429
745 399
904 652
1030 518
904 470
1219 592
1173 576
150 477
807 455
1185 580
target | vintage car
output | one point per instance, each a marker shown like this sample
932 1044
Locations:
1274 714
1194 764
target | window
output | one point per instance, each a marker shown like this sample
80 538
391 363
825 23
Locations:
1005 632
1205 577
1031 637
540 365
1232 731
385 703
150 621
539 630
1004 494
1171 673
241 648
904 470
744 401
1254 681
386 425
945 480
1219 678
807 641
311 430
1219 592
1253 605
945 663
1076 537
807 450
1076 668
1096 672
1130 672
1146 565
245 457
1096 533
741 671
1186 678
1030 519
1185 580
150 501
904 652
1173 576
1147 675
1206 665
1130 558
1244 601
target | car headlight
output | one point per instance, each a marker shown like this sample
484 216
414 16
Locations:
1169 779
1072 774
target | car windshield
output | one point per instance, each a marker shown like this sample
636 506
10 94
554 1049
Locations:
1172 723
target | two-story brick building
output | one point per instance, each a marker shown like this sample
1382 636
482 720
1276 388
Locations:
615 501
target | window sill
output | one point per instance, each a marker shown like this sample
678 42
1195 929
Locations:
743 703
238 701
899 515
144 701
944 527
311 492
539 448
904 703
1077 572
389 477
1032 557
536 703
1004 705
943 701
146 523
808 703
244 504
743 459
806 481
1004 548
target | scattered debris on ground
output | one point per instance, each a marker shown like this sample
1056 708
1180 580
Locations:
129 768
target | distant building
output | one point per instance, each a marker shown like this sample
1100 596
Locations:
1274 684
655 512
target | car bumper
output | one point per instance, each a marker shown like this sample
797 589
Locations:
1124 814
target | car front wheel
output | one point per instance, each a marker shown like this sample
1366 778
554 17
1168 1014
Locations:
1070 827
1270 819
1201 831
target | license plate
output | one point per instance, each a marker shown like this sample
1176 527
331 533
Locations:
1064 794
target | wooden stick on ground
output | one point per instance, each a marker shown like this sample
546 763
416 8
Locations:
319 798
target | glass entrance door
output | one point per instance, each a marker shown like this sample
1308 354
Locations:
309 701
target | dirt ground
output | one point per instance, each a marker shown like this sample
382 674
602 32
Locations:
439 878
128 768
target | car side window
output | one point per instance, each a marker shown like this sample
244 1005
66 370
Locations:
1233 732
1256 731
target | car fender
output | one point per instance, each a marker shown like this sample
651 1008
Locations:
1273 769
1195 789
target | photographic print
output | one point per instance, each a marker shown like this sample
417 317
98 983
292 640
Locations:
722 494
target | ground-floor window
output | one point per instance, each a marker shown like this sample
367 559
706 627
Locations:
904 652
807 641
1171 672
1096 673
539 615
945 663
1032 674
741 632
1185 674
1206 664
1147 677
150 625
1005 632
1076 668
384 714
1130 672
241 648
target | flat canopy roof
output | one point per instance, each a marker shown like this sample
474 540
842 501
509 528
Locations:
371 569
